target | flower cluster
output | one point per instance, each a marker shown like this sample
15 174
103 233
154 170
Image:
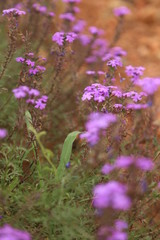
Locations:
13 12
149 85
142 163
3 133
115 232
99 92
121 11
42 9
111 195
95 124
32 96
33 70
9 233
60 37
134 72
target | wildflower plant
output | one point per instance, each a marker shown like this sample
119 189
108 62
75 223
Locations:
60 79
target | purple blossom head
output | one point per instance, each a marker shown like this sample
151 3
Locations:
30 63
60 37
79 26
39 8
145 164
9 233
84 39
136 106
107 168
90 72
68 16
95 31
97 92
3 133
111 195
20 92
118 52
96 123
51 14
121 11
20 59
114 63
149 85
70 37
41 102
134 72
13 11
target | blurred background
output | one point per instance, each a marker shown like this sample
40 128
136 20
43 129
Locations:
141 32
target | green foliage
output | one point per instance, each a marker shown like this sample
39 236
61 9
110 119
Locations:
66 154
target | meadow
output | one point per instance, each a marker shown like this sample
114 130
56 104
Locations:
79 133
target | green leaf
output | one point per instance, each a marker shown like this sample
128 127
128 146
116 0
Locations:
28 119
66 153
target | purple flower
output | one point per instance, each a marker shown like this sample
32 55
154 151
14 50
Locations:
101 73
134 72
134 95
51 14
118 52
121 11
79 26
3 133
89 72
117 93
30 63
13 11
68 165
9 233
33 71
91 59
137 106
115 232
76 9
97 92
95 124
107 168
37 69
68 16
20 92
145 164
118 106
111 195
20 59
61 37
95 31
70 37
33 92
124 162
116 62
39 8
41 102
58 37
149 85
84 39
120 225
31 54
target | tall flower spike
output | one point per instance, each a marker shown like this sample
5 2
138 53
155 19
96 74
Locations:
13 11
